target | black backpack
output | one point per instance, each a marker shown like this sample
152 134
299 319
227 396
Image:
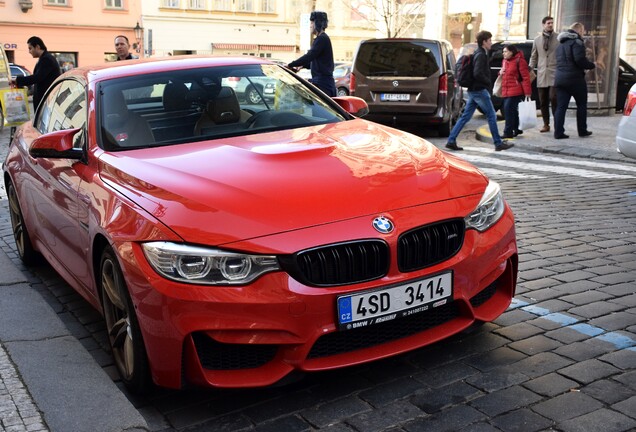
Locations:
464 71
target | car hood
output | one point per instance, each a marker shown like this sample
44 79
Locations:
216 192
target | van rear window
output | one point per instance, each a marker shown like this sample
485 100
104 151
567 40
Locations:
397 58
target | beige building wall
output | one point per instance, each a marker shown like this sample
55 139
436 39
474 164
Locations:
82 30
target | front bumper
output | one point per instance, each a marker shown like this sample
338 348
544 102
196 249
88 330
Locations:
255 335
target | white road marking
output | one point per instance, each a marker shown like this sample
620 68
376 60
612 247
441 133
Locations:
614 166
555 166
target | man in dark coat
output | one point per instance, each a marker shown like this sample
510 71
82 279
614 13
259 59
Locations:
122 46
320 57
46 70
570 80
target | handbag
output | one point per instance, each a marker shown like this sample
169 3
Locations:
527 114
15 106
496 90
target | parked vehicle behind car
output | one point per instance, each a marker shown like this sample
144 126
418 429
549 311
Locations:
409 80
342 76
626 132
18 70
230 244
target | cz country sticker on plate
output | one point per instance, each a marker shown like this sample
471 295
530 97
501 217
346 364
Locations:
373 307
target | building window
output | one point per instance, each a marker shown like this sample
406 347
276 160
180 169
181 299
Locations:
57 2
222 5
114 4
196 4
268 6
173 4
245 6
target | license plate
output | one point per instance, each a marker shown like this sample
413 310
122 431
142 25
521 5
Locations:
373 307
395 97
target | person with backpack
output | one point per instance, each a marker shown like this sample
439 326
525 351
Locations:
478 92
515 83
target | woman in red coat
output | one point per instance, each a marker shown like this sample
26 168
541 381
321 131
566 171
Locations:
515 85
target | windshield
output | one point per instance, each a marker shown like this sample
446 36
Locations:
396 58
207 103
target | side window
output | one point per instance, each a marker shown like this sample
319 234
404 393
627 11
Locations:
43 123
64 108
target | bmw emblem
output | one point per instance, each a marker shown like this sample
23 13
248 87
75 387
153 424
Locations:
383 225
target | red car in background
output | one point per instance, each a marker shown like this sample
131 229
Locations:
230 243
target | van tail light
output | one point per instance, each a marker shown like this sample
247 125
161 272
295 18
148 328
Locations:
352 84
234 79
630 102
443 83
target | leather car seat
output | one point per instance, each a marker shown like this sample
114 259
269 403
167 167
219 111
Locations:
175 97
123 128
222 110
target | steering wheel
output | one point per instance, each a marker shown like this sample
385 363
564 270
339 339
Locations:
260 119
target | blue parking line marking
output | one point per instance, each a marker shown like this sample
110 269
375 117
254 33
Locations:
587 329
536 310
561 318
516 303
620 341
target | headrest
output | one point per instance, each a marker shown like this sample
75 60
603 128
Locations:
174 97
114 102
225 107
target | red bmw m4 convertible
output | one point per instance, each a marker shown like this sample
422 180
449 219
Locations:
229 243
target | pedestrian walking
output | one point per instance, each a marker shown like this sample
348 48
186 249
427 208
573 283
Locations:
320 57
570 80
543 58
46 70
515 84
479 95
122 47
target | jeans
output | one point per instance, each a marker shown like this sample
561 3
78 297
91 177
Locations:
511 111
482 99
578 90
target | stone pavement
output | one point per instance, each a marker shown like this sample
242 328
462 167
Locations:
49 381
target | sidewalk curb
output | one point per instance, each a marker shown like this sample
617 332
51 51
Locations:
533 140
69 388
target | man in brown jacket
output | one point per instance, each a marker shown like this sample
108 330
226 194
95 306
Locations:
543 58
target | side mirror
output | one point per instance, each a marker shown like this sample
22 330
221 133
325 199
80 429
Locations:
353 105
57 144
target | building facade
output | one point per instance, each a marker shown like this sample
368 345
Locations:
77 32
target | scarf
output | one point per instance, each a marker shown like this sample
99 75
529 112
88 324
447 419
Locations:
546 40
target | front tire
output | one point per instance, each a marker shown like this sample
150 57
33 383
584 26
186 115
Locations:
124 334
27 253
343 91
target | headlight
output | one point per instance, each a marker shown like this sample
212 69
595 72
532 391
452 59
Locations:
198 265
489 210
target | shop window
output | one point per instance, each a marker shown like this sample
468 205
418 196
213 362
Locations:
67 60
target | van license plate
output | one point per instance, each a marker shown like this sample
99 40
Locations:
373 307
395 97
